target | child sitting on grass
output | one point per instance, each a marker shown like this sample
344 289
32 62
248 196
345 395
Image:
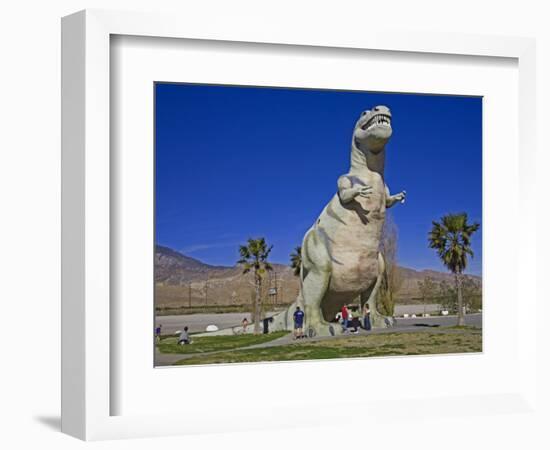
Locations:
184 337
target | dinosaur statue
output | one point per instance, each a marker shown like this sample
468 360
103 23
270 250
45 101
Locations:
340 252
341 261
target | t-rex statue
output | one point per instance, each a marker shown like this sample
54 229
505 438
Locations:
341 259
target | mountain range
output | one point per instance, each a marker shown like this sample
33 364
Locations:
183 281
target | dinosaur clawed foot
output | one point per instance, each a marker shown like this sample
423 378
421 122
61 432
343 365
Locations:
320 330
381 321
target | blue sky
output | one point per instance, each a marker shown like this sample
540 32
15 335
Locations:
238 162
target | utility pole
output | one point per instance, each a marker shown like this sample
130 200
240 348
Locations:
206 291
189 294
276 288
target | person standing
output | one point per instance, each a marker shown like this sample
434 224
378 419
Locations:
158 331
266 322
298 323
244 323
366 317
345 318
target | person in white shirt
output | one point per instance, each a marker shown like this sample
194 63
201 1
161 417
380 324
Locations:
184 337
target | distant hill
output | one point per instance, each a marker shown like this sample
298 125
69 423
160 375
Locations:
184 281
173 266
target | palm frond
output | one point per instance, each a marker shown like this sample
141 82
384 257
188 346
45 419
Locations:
253 256
296 260
451 237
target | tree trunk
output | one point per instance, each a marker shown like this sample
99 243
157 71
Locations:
257 302
461 320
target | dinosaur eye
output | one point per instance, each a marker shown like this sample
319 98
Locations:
364 113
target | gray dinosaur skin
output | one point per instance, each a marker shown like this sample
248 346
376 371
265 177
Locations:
341 261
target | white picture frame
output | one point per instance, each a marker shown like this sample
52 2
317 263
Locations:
87 317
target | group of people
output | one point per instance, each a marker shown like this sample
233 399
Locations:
349 320
346 318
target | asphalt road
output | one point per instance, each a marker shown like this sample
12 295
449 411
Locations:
429 308
475 320
199 322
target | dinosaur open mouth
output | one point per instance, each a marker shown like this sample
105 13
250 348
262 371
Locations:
377 120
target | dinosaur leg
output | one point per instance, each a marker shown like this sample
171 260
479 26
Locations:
314 288
377 320
315 276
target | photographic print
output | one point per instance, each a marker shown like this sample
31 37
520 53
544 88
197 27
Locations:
308 224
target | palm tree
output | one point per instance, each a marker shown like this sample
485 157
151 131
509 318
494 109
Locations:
451 238
296 260
254 257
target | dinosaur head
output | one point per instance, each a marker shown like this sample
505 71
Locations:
373 129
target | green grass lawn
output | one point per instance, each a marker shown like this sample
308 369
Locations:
215 343
387 344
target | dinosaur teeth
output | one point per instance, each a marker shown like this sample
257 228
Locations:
377 121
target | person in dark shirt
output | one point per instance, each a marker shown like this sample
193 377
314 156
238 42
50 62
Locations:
355 323
158 330
298 323
266 322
